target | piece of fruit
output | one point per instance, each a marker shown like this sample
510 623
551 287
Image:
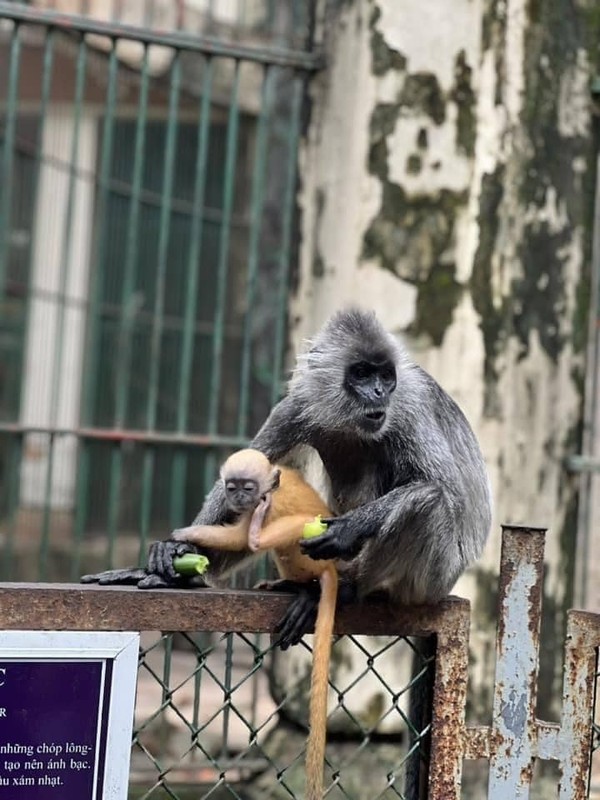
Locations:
314 528
190 564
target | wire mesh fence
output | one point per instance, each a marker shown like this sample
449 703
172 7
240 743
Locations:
209 718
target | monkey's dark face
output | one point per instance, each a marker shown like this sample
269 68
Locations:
370 382
243 494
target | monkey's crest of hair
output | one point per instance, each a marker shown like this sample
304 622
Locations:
249 463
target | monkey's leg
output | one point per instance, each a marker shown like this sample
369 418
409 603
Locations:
302 611
315 751
222 537
279 585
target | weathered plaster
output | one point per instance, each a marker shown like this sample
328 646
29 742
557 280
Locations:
451 144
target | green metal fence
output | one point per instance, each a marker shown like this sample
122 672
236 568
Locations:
148 157
147 193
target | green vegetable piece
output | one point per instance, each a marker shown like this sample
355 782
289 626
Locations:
314 528
190 564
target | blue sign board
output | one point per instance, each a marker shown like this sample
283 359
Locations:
66 714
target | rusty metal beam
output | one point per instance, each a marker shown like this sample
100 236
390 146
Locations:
38 606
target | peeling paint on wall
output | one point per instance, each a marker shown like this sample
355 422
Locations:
446 167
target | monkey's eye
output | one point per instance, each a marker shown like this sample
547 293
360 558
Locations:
360 371
249 486
231 486
388 374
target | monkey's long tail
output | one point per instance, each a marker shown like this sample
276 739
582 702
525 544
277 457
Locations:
315 750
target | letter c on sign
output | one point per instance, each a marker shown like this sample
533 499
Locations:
2 676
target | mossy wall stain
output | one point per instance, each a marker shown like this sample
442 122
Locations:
413 235
422 93
491 313
463 96
385 57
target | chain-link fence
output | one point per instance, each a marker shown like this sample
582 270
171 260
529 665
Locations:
223 713
220 718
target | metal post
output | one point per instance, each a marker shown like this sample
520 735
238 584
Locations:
514 731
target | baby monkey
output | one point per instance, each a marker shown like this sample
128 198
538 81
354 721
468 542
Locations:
274 503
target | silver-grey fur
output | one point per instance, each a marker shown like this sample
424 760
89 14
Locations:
414 496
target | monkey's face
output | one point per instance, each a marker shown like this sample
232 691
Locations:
345 383
369 384
244 492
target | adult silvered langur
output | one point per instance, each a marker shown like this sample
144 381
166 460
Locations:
405 475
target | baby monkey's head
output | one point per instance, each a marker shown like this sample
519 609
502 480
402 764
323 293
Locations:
247 477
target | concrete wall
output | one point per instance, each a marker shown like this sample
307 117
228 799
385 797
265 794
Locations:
446 183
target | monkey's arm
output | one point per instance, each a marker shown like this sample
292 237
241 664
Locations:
213 512
283 430
233 538
347 533
280 433
280 533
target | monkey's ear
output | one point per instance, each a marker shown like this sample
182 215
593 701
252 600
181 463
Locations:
276 475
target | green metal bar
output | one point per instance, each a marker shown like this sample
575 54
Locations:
157 327
45 537
13 486
166 680
223 262
286 239
82 495
114 502
89 388
88 394
196 234
163 245
65 269
178 40
256 215
123 366
146 501
177 489
6 165
227 684
191 300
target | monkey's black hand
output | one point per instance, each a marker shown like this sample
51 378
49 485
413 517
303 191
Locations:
343 539
160 561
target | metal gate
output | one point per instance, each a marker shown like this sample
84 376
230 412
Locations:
148 156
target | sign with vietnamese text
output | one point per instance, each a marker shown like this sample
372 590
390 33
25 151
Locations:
66 714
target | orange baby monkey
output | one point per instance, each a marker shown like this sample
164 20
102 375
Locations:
274 504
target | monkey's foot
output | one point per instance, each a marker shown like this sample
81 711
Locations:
300 617
279 585
125 577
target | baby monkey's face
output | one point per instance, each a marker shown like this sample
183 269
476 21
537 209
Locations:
243 493
245 489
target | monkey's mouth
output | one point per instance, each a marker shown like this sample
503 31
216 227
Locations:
375 418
